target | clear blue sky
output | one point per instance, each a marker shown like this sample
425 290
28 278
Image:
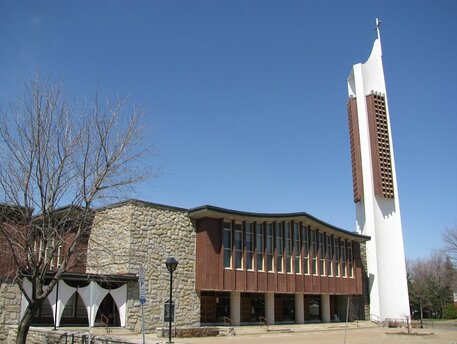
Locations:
246 100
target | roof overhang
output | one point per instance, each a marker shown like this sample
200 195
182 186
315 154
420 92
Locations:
209 211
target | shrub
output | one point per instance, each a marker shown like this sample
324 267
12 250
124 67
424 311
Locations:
450 311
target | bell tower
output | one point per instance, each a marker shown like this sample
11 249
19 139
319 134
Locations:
375 186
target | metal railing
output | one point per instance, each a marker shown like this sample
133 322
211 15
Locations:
105 321
375 319
227 321
72 338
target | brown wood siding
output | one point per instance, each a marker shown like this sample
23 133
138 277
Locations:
253 281
7 266
380 146
211 275
76 263
356 155
299 284
271 282
261 282
209 254
240 280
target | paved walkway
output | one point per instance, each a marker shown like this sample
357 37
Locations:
361 333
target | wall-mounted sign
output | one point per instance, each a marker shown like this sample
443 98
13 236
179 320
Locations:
166 311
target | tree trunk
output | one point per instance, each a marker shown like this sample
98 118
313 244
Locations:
422 316
24 326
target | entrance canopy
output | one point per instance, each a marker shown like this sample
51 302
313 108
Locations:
91 288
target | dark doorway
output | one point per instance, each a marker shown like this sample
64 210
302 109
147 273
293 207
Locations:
108 310
75 312
214 306
314 308
252 307
285 308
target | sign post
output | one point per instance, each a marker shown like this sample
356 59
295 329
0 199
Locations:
142 286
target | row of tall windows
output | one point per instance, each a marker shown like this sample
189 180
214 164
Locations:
48 251
289 247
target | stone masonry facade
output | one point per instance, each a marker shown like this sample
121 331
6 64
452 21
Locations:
10 307
134 233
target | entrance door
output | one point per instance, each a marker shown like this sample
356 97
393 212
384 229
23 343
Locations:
208 309
109 310
314 307
252 307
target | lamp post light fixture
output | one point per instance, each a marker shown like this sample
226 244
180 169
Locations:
171 265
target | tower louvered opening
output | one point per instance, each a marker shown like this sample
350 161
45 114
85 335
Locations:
380 146
357 181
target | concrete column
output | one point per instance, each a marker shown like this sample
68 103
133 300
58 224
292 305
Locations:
325 308
270 307
235 308
299 309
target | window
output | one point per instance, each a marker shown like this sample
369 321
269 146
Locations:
49 251
313 252
238 246
288 244
59 256
249 245
328 254
321 254
49 256
343 257
259 246
269 246
38 248
336 258
350 259
227 245
305 249
279 246
297 248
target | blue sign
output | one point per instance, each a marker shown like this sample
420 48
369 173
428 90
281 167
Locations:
142 285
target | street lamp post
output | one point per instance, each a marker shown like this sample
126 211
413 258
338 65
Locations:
171 265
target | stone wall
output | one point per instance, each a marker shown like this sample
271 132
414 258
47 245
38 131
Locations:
10 306
136 233
109 246
365 281
37 335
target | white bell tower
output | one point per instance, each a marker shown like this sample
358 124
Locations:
375 187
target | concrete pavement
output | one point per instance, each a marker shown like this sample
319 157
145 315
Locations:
356 333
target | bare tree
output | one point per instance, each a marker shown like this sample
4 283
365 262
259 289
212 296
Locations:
450 241
430 283
418 285
58 162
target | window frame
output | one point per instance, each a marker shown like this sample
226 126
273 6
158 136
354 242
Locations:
350 258
269 251
313 251
249 251
288 247
238 251
306 249
259 253
321 237
279 247
228 248
328 254
297 248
